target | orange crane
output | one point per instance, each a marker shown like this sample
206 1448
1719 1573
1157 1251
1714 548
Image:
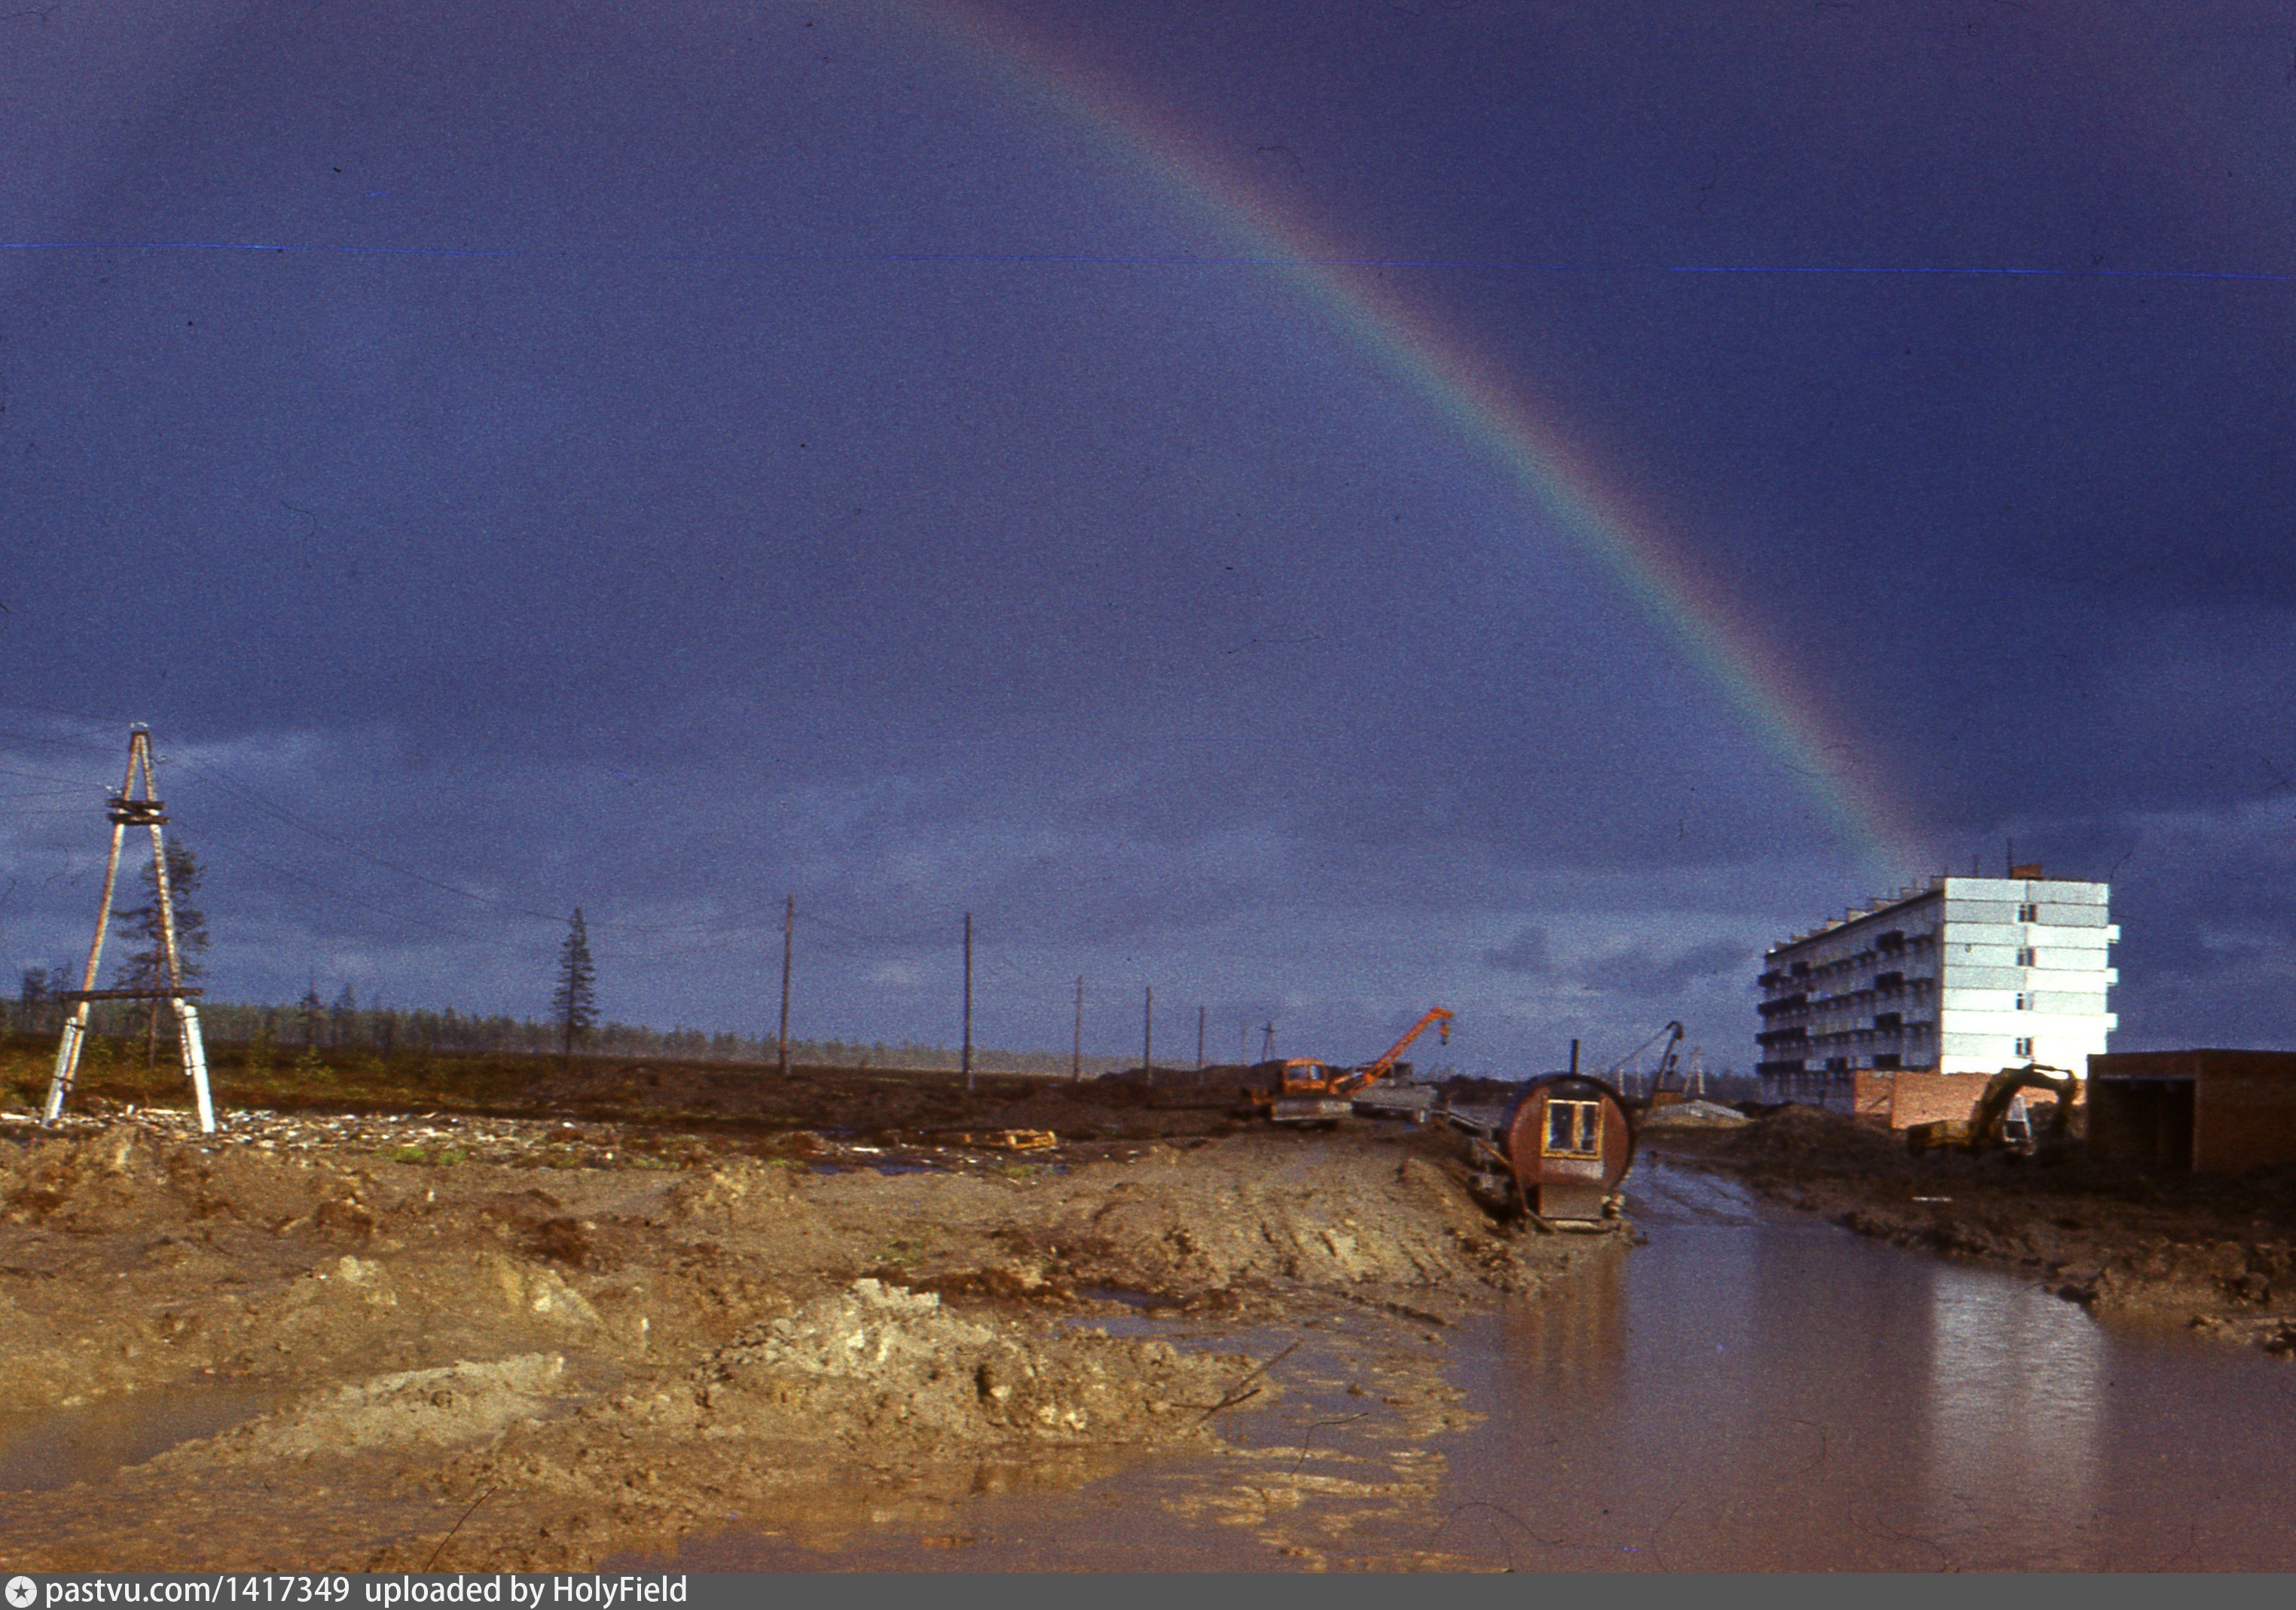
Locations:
1308 1091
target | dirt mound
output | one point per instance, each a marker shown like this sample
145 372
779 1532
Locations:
1307 1219
743 1327
461 1403
126 1178
878 1360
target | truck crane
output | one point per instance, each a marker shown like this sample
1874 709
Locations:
1311 1091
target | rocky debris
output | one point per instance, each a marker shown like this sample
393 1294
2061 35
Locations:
461 1403
423 1138
875 1361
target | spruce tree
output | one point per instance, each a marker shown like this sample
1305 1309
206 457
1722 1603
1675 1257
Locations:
574 1002
146 968
314 1011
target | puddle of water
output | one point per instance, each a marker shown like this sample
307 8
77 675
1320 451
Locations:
1145 1301
54 1447
1753 1390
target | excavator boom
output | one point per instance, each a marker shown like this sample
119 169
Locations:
1981 1130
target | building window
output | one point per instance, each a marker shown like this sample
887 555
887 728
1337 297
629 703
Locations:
2025 956
2029 912
2025 1048
1574 1129
2024 1001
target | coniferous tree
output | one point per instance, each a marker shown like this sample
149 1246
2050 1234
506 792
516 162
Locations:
574 1002
33 1000
314 1011
146 966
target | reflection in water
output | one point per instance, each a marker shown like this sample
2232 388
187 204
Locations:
1776 1394
2013 1385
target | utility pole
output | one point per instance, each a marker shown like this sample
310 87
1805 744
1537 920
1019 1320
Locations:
789 934
1148 1036
1076 1056
968 1003
1200 1039
1268 1043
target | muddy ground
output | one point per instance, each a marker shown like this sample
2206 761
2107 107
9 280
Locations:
529 1344
2216 1253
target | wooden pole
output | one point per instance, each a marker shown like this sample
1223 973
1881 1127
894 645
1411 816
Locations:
127 810
788 940
1076 1056
968 1003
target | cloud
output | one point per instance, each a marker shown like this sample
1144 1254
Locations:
1639 970
1526 953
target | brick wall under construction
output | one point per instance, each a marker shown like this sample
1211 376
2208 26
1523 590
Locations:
1895 1100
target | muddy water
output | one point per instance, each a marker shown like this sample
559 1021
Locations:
1756 1390
1750 1390
50 1449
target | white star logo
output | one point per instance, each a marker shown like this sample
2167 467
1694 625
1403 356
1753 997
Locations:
21 1591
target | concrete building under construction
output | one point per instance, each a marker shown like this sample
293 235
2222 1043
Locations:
1955 981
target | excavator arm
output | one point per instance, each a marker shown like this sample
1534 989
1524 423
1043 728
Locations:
2004 1086
1981 1130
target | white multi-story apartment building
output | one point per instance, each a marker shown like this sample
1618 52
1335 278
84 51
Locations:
1969 975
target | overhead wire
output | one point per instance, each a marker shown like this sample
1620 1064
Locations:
696 935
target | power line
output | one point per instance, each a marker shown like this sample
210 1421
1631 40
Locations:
720 925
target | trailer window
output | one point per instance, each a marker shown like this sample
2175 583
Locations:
1574 1129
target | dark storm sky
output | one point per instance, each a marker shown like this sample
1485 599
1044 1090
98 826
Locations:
765 457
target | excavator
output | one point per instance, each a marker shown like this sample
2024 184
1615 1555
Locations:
1309 1091
1669 1067
1992 1123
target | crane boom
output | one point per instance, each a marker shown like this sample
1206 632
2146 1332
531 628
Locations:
1320 1091
1373 1072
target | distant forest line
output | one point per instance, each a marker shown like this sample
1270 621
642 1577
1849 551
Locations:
345 1025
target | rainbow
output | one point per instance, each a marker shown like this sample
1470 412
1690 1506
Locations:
1524 441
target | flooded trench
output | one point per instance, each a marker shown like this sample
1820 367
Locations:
1755 1389
1752 1389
